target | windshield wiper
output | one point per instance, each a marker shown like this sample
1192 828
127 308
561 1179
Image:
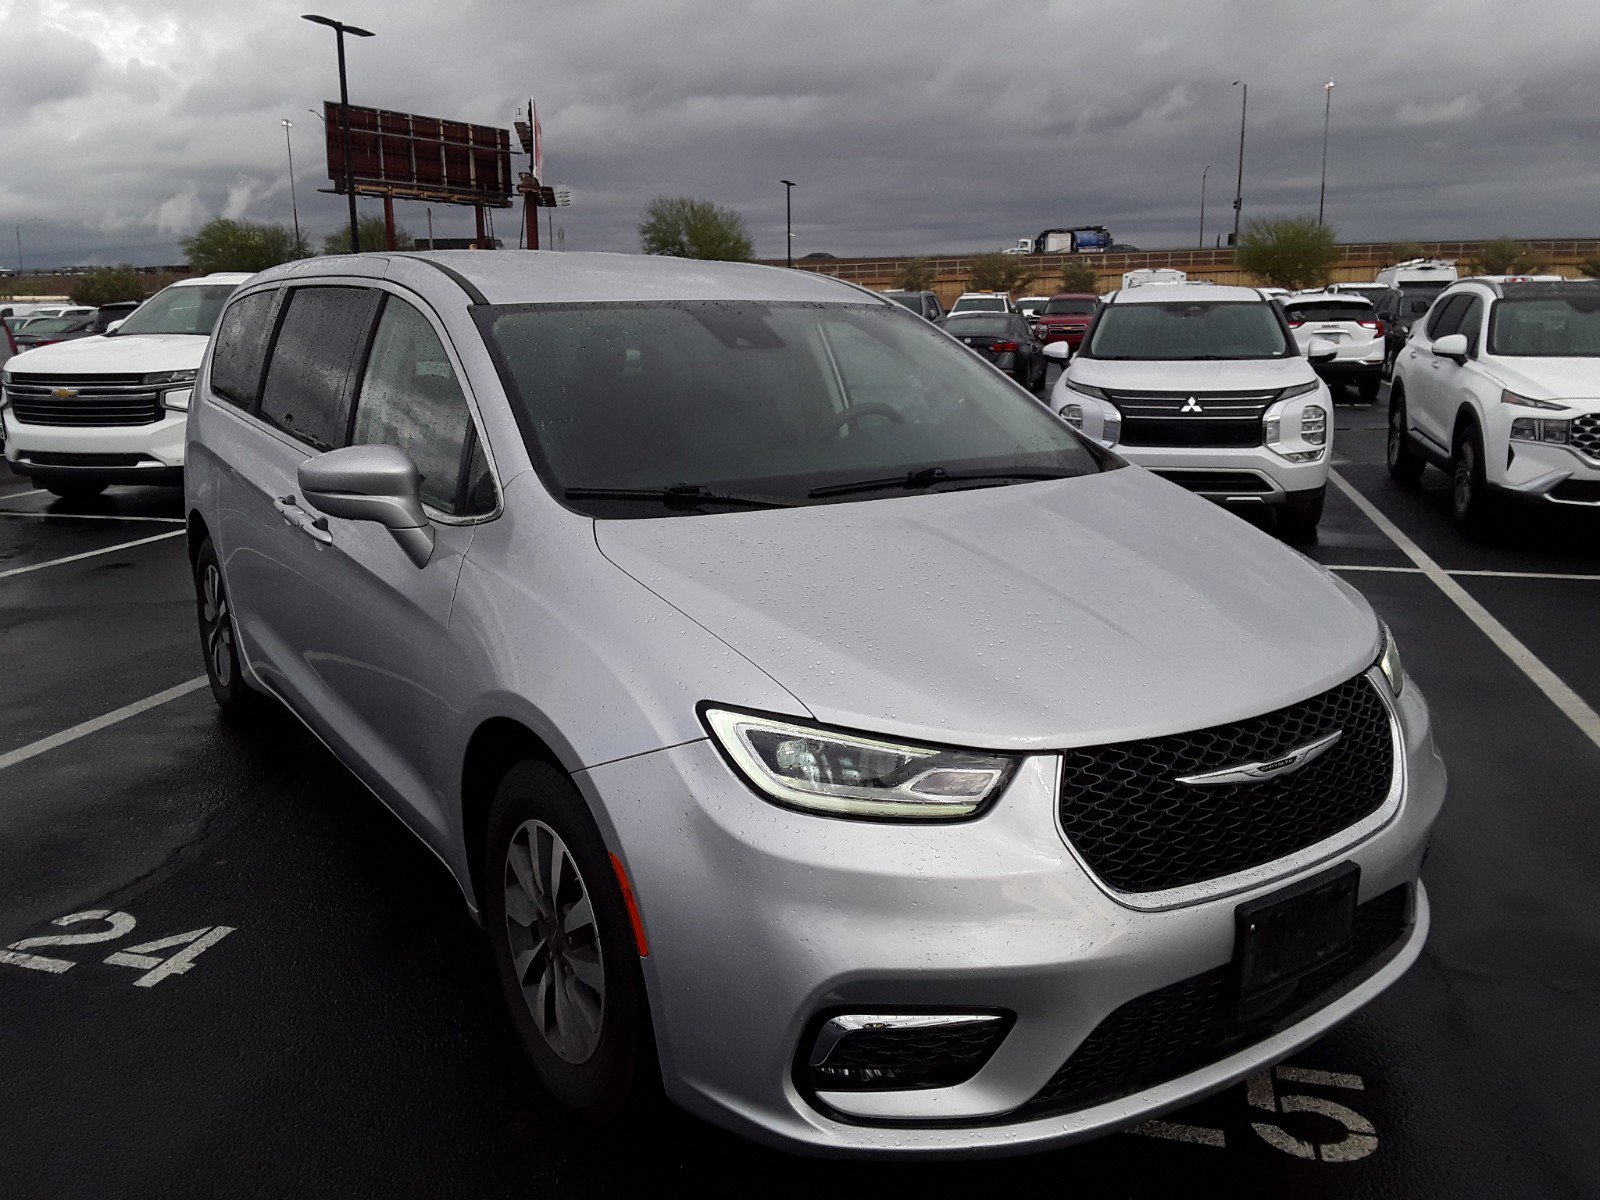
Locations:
926 477
678 493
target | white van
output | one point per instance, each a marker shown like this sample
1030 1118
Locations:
1148 275
100 410
1414 274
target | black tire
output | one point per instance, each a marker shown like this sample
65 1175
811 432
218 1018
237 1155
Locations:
219 641
618 1073
1405 464
1471 503
75 491
1368 390
1299 518
1037 385
1387 370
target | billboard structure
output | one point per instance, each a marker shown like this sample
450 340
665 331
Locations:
410 157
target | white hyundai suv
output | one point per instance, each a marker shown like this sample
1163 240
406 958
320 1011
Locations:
1500 386
100 410
1348 321
1205 385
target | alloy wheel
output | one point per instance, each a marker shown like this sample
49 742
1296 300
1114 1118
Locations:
1465 482
218 625
1396 433
555 943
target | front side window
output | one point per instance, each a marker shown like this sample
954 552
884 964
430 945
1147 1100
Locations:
1189 330
1547 326
1443 320
771 400
240 350
320 342
410 400
182 308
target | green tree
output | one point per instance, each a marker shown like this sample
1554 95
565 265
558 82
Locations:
1079 277
915 275
998 272
1406 251
1590 267
374 236
690 228
1506 256
107 285
1288 252
224 245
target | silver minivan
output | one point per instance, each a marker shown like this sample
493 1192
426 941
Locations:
815 722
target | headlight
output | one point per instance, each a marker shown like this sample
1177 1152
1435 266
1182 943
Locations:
1296 430
1389 662
1083 389
853 775
1298 389
1100 419
178 399
166 377
1314 424
1529 402
1540 429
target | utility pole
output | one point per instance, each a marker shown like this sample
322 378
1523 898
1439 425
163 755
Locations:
1238 191
293 202
1327 112
340 29
788 220
1201 244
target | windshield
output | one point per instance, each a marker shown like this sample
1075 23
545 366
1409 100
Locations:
981 325
1547 327
1069 308
1190 329
768 399
56 324
192 308
981 304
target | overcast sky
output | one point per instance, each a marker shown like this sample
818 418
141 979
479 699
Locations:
909 125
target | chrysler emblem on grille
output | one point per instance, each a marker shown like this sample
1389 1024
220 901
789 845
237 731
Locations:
1256 771
65 393
1191 405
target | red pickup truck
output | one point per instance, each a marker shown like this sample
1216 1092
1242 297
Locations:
1066 317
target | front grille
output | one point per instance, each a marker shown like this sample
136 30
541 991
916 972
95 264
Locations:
1232 482
1140 830
45 458
1585 435
100 400
1166 1034
1584 491
1223 419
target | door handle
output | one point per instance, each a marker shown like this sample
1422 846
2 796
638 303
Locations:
288 510
315 528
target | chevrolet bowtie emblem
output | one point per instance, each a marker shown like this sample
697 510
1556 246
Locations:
1256 771
1191 405
64 393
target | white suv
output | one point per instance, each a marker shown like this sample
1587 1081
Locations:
1205 385
83 414
1351 324
995 302
1500 386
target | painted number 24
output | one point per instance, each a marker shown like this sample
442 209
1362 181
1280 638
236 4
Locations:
146 957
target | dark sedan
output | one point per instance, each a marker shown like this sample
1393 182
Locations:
1006 340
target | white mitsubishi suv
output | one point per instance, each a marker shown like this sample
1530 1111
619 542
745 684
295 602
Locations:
1206 386
1500 386
100 410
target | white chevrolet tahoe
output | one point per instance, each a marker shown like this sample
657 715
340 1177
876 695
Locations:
1206 386
1500 386
100 410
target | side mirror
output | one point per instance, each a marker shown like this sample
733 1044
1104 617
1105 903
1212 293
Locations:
1452 345
1059 351
372 483
1321 349
113 327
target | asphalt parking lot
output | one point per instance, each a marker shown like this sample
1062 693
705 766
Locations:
274 991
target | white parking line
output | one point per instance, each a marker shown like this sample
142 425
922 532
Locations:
19 495
56 562
1465 574
5 512
1546 680
33 749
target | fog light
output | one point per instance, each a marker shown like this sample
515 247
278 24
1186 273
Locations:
883 1052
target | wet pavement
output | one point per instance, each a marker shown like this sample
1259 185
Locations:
323 1019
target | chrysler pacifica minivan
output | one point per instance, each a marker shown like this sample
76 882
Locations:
816 723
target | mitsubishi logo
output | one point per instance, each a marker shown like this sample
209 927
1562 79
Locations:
1191 405
1256 771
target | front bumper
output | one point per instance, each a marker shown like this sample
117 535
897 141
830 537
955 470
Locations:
1541 472
1258 476
150 453
760 918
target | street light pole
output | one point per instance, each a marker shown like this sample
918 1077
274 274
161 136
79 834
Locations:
1327 113
340 29
1238 191
788 220
1203 174
20 224
294 203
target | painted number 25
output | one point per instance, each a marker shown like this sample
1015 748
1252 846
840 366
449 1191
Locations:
146 957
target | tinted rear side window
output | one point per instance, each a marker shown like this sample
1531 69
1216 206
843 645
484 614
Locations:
320 345
240 352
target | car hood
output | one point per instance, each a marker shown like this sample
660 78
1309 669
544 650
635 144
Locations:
139 353
1024 617
1551 378
1191 376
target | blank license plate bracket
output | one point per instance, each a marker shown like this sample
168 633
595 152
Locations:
1281 937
